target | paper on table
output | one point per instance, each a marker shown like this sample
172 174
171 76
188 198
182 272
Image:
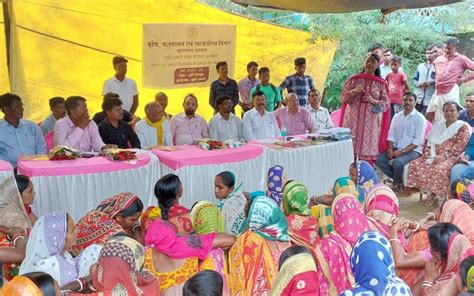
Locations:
164 148
267 141
34 157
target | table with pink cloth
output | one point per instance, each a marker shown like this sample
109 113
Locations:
197 168
6 170
317 166
79 185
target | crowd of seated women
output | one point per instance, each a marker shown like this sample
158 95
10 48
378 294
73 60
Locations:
351 241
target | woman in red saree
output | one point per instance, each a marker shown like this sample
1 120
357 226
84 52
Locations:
119 213
365 110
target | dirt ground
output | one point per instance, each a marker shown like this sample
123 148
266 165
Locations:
412 207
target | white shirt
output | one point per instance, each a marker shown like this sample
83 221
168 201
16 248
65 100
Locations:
257 126
321 118
148 135
126 89
406 130
223 130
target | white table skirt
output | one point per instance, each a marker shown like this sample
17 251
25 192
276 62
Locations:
198 181
316 166
78 194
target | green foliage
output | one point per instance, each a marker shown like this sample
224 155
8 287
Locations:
407 32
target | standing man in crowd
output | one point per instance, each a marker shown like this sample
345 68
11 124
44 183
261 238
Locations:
259 123
405 141
465 169
58 111
127 116
188 127
320 115
246 84
113 130
272 93
424 81
450 69
125 87
299 83
225 125
76 129
154 129
18 136
223 86
295 119
386 68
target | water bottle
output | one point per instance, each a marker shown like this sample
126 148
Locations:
284 133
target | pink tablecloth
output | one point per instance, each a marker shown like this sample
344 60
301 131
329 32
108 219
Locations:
192 155
81 166
5 166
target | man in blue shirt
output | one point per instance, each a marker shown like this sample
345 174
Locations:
18 136
465 169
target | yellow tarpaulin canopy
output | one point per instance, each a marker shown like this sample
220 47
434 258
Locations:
63 48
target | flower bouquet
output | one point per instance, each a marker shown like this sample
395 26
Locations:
119 154
208 144
63 153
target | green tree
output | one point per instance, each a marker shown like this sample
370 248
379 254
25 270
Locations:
407 32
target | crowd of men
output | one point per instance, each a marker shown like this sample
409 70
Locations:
264 113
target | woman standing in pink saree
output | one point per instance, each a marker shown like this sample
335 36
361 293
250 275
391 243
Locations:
365 110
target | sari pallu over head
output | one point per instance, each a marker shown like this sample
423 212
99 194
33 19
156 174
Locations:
457 246
349 220
440 133
267 220
97 226
297 276
374 268
45 247
460 214
335 274
323 213
382 208
206 218
366 178
120 270
302 228
276 179
232 208
386 116
12 209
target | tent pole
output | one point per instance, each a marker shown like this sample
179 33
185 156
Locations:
6 25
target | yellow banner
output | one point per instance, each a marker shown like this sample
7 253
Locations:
185 55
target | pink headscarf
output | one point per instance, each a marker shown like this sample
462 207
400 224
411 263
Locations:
349 220
161 236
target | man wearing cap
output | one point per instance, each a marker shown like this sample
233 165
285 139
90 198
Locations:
125 87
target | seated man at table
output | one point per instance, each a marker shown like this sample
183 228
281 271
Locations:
225 125
58 111
113 129
188 127
294 118
405 141
18 136
319 114
154 129
127 116
258 123
77 130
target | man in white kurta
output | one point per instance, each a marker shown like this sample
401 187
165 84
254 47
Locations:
154 129
258 123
